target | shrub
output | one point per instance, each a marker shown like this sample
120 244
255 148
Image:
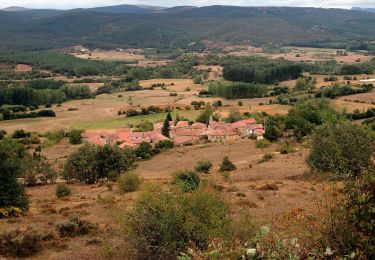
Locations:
91 163
75 136
2 134
350 227
169 222
286 148
227 165
74 227
128 182
342 148
263 143
20 133
204 166
144 151
20 243
266 157
62 190
164 145
187 180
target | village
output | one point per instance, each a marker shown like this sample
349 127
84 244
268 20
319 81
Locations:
181 133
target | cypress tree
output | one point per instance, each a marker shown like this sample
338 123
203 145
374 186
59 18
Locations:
166 127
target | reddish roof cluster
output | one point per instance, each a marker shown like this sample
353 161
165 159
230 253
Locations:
180 133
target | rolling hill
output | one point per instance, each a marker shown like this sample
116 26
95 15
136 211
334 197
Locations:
140 26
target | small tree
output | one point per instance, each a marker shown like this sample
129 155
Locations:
144 151
75 136
227 165
11 192
62 190
187 180
342 148
204 166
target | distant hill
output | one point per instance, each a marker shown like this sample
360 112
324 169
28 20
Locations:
128 9
15 9
139 26
372 10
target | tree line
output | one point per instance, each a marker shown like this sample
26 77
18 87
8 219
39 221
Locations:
263 74
238 90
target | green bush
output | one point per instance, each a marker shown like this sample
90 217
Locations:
91 163
227 165
187 180
342 148
144 151
163 224
164 145
266 157
128 182
286 148
2 134
262 143
20 243
351 224
75 136
204 166
12 193
62 190
75 227
20 133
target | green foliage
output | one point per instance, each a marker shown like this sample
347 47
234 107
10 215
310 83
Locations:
58 63
2 134
166 127
262 71
91 163
144 151
11 192
62 190
262 143
350 228
272 133
74 227
227 165
145 126
286 148
187 181
172 222
37 169
341 148
266 157
205 115
198 80
75 136
204 166
303 84
20 133
237 89
164 145
20 243
128 182
345 90
304 117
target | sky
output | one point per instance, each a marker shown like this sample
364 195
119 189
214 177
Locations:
68 4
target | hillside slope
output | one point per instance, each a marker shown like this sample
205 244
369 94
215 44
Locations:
179 27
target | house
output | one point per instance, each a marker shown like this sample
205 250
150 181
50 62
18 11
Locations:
181 133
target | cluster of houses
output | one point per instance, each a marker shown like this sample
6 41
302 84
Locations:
181 133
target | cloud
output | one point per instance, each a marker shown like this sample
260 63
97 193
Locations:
67 4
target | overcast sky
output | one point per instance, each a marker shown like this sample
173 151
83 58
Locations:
67 4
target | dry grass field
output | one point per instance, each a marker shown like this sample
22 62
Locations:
114 55
291 195
349 106
315 54
23 68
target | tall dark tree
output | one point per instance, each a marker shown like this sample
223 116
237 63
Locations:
169 117
166 127
11 192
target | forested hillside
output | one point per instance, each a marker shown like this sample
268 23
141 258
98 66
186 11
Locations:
185 27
